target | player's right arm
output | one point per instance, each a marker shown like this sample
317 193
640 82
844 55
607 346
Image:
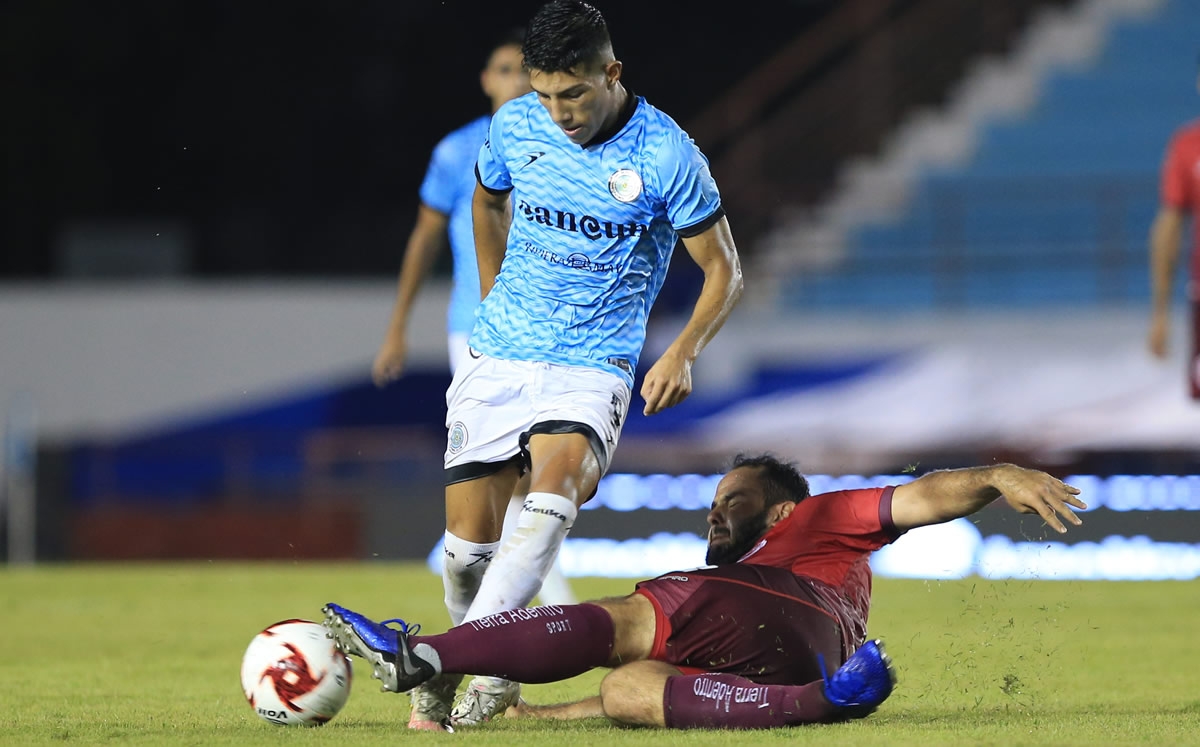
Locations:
693 206
489 213
1166 235
427 239
952 494
490 205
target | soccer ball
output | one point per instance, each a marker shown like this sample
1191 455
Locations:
294 676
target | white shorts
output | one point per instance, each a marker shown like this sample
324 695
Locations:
493 406
456 343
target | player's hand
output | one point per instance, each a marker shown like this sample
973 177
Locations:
1158 335
389 362
1033 492
667 383
520 710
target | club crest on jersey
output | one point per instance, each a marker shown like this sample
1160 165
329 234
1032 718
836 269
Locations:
625 185
458 437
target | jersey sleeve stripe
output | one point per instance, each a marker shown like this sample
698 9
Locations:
696 229
436 208
486 188
886 523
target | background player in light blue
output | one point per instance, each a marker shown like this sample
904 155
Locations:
584 189
445 210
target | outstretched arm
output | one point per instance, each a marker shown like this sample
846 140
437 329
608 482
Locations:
951 494
669 380
586 708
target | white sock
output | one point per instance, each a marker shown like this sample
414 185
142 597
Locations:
463 566
526 556
555 589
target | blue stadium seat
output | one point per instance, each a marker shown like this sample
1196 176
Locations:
1053 208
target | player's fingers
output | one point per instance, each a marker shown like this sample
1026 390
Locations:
1043 510
1064 511
1068 514
650 394
660 402
1068 495
669 396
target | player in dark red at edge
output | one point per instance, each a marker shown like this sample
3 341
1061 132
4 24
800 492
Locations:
1179 197
743 644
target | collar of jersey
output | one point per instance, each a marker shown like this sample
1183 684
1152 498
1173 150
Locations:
627 111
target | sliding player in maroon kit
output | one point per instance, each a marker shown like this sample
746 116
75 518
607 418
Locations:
743 644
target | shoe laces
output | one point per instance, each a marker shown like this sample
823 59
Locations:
405 628
483 699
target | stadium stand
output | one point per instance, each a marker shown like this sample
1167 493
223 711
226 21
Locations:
1051 207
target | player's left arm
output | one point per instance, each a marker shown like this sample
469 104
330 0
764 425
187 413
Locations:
669 380
581 709
951 494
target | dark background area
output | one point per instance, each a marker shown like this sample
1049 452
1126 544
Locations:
288 140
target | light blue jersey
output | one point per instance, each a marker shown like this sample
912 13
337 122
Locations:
592 233
447 188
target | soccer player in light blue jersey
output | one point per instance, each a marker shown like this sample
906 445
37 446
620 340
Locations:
445 211
583 190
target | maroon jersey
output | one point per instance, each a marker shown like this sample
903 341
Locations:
800 594
829 539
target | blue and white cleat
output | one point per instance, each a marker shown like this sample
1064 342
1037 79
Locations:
863 682
388 650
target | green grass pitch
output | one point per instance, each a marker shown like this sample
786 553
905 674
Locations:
149 654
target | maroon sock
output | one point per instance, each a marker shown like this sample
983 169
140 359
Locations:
537 644
726 701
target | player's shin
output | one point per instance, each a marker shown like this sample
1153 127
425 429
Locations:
463 567
726 701
526 556
539 644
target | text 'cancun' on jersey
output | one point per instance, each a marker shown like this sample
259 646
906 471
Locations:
592 233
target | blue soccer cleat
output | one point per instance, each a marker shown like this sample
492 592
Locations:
863 682
395 664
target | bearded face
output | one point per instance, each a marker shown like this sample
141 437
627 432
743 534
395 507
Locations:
736 537
739 516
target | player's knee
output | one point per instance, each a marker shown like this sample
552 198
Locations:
633 694
617 700
564 464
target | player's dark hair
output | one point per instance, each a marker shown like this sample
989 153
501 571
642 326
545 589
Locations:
564 35
781 480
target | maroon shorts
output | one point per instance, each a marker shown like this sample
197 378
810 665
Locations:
759 622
